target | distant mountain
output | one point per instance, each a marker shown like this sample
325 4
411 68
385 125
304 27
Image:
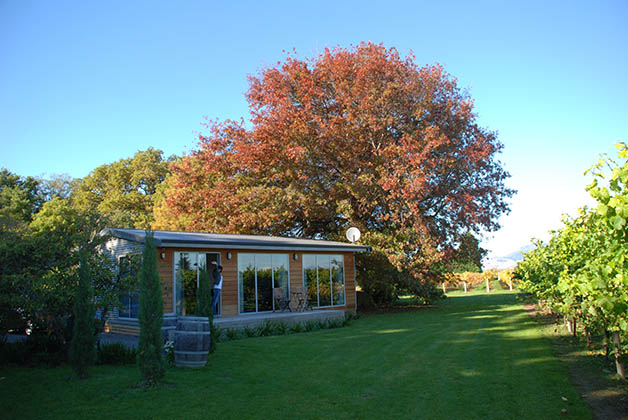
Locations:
507 261
518 254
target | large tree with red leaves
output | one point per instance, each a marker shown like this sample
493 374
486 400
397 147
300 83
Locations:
353 137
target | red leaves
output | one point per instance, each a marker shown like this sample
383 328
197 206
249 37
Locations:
397 144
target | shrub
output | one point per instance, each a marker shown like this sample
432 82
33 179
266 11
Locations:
281 328
297 328
250 332
169 352
310 326
232 334
427 293
116 354
335 323
36 350
215 334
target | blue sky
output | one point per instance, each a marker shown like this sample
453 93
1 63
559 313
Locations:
88 83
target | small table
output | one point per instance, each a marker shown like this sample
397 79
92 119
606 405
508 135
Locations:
299 298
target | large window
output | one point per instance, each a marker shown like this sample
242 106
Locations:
324 279
186 279
129 300
257 275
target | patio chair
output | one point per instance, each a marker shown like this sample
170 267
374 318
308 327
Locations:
302 303
280 300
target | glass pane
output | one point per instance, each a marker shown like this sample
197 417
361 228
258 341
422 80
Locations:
185 282
134 304
324 283
338 279
264 282
123 310
190 284
246 280
210 258
309 278
280 273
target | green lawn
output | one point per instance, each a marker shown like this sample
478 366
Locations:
475 356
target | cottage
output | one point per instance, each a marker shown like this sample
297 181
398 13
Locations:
252 267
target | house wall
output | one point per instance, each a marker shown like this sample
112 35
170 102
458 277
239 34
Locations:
121 247
230 275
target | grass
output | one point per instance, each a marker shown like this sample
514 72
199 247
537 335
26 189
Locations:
476 356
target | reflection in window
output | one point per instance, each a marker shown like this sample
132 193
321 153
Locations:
187 265
129 300
257 275
324 279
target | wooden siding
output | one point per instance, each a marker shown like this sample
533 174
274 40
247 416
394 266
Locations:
164 266
230 275
126 329
230 292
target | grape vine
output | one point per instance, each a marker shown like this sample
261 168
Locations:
582 272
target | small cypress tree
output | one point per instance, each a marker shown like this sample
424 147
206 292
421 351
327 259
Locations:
83 347
203 295
149 360
204 304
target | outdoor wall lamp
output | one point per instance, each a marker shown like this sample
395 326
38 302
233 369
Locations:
229 255
163 255
295 256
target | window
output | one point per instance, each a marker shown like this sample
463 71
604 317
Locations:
324 279
186 278
257 275
129 300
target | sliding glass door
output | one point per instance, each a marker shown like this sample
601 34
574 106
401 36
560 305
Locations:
324 279
258 274
186 278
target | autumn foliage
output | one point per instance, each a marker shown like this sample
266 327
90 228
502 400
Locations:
352 137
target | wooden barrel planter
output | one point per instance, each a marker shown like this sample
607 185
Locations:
191 341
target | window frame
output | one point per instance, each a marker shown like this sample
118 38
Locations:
287 292
131 294
331 281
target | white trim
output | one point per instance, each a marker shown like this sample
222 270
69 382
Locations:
355 287
286 249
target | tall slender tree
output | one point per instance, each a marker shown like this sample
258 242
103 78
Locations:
83 349
149 360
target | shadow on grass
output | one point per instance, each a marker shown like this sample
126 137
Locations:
471 357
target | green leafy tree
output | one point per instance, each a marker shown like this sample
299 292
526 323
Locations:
468 256
149 358
57 185
123 191
19 196
83 350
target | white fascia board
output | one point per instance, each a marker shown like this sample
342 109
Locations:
263 247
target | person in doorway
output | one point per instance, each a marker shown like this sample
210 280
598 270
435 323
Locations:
217 273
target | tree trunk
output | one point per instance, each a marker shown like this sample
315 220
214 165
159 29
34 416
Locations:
574 327
465 286
444 289
587 336
510 285
607 347
488 287
618 363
